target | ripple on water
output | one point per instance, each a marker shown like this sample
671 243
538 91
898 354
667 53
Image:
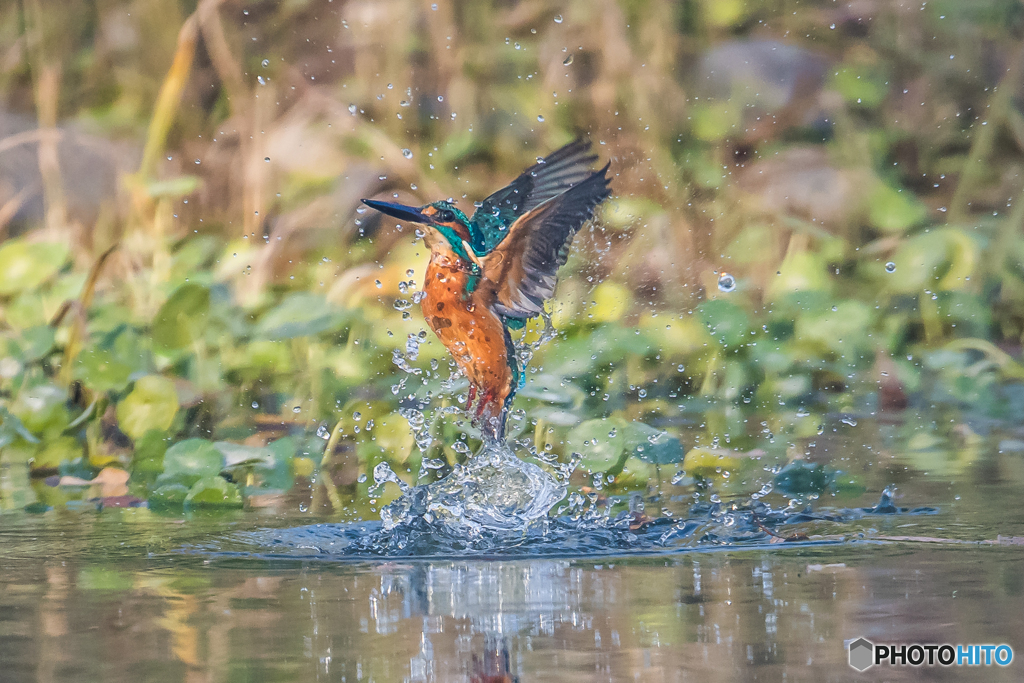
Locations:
498 505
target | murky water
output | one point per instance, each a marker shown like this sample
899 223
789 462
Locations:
130 595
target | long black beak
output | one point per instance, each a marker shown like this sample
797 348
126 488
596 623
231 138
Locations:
399 211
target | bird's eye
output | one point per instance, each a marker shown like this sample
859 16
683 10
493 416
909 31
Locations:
445 216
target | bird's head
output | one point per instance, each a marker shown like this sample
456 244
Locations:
442 219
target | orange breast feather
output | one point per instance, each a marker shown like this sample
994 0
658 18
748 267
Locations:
470 331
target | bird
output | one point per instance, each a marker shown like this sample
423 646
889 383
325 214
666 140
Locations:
490 273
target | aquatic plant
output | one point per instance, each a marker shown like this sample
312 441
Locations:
190 293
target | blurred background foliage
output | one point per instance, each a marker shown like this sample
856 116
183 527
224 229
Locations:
816 218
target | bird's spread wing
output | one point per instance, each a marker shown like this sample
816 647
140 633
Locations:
548 178
523 268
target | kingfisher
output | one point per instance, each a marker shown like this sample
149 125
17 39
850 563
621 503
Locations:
490 273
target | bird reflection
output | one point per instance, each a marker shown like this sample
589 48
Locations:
494 665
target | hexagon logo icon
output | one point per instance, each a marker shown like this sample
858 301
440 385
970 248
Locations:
862 654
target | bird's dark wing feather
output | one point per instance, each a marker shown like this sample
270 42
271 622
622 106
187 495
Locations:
546 179
523 269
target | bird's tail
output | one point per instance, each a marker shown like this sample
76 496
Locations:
493 404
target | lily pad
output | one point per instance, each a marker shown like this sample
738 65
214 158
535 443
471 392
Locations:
300 315
152 404
726 321
895 210
803 477
213 492
182 319
26 265
191 460
101 370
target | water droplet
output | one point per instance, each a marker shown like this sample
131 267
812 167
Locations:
322 432
378 283
198 161
352 109
540 118
297 409
362 478
407 153
266 63
890 267
558 18
266 159
255 404
726 283
567 61
832 26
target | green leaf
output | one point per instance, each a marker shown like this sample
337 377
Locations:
727 322
100 370
652 445
11 429
42 409
894 210
55 451
861 84
300 315
715 121
803 477
192 459
36 342
601 442
148 458
168 496
213 492
182 319
152 404
26 265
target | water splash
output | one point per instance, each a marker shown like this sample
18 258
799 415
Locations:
708 525
494 491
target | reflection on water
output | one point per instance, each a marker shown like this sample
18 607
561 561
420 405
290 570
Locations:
110 596
722 616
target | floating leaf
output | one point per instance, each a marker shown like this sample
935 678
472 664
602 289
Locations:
652 445
152 404
42 409
300 315
54 451
182 319
727 322
169 496
192 459
803 477
894 210
213 492
26 265
12 429
36 342
601 442
100 370
941 259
